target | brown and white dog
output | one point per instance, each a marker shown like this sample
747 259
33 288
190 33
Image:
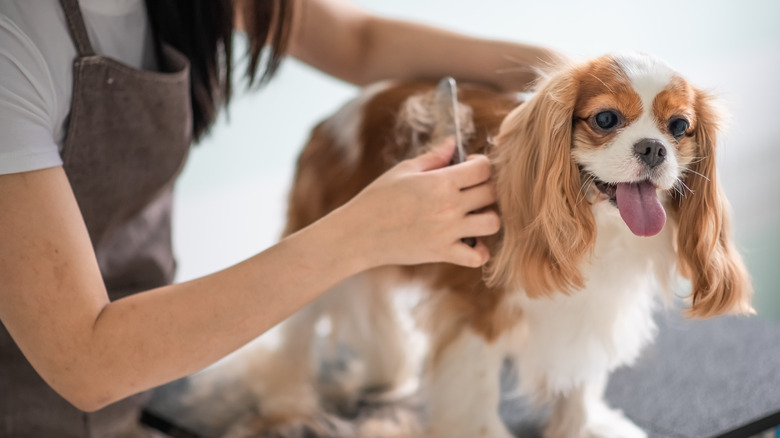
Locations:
607 186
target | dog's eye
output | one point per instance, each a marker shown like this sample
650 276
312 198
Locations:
606 120
677 127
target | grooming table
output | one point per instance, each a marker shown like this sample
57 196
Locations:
713 378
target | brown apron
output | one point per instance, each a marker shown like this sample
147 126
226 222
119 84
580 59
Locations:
129 133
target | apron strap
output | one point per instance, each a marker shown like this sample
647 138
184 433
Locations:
78 31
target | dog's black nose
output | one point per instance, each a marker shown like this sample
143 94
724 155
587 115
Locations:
651 151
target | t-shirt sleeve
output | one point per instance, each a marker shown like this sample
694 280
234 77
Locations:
27 104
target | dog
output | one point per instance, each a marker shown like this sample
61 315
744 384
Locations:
607 187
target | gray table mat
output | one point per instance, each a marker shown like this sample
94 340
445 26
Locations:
699 379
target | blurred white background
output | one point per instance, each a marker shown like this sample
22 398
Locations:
231 198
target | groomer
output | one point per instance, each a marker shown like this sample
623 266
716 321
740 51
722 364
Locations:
100 101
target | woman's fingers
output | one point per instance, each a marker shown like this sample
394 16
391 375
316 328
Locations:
464 255
439 156
486 223
472 172
481 224
476 198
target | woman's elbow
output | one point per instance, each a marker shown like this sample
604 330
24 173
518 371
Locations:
87 398
84 389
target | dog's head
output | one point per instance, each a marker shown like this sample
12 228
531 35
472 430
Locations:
625 130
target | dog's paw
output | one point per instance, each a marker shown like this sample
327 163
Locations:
400 419
609 423
323 425
600 422
489 430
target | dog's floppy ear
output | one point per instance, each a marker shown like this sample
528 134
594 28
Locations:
546 229
706 255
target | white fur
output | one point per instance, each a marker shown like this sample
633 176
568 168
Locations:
463 392
583 414
574 339
649 75
358 316
344 126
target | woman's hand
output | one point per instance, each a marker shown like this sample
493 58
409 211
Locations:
418 211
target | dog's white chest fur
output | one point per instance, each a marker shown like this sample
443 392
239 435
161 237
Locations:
566 341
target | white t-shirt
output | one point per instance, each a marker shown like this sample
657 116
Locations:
36 70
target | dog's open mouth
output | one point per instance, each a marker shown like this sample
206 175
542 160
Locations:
638 205
610 190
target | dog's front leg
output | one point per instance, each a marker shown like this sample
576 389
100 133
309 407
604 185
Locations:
583 413
381 363
462 386
283 384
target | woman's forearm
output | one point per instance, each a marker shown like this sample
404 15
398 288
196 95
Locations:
349 43
92 351
405 49
151 338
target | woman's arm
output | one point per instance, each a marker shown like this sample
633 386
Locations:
349 43
93 352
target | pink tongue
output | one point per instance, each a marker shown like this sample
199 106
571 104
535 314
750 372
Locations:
640 208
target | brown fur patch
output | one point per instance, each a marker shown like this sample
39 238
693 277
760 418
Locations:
719 279
677 100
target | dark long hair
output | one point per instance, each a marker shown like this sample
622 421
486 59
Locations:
203 31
